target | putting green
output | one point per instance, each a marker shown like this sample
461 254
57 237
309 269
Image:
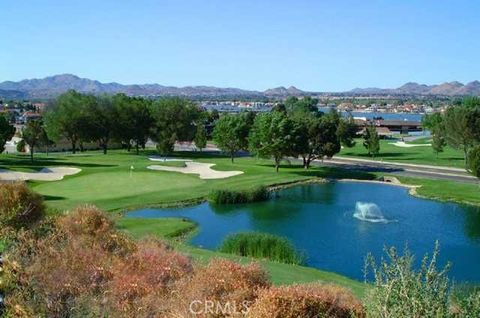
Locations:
111 190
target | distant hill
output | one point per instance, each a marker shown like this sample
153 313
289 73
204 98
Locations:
445 89
11 94
52 86
282 91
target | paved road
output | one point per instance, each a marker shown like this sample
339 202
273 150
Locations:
408 170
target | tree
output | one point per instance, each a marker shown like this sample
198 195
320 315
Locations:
471 102
213 116
462 125
33 134
371 140
65 118
306 104
200 137
433 122
45 141
272 136
438 142
174 120
99 121
231 134
279 108
315 136
7 131
474 161
347 131
21 146
473 117
133 120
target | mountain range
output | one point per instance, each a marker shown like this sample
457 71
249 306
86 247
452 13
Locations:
52 86
445 89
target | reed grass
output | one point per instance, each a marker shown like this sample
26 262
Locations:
262 245
234 197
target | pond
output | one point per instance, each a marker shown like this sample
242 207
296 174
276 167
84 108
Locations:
338 223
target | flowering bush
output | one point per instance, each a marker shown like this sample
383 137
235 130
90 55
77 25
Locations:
312 301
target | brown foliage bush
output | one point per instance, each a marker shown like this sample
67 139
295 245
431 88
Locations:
144 280
306 301
47 274
222 282
93 227
82 266
19 206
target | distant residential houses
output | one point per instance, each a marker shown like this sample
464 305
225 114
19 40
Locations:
408 108
237 106
21 114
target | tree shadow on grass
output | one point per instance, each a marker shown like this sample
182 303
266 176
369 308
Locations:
19 162
53 198
380 155
320 171
336 173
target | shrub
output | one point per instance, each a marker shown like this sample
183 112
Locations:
59 275
310 301
47 274
468 306
231 287
21 145
234 197
92 226
19 206
400 291
144 279
262 245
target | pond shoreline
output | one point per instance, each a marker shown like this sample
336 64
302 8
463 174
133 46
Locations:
326 212
280 186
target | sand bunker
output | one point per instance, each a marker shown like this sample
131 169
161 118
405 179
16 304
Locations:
46 174
204 170
404 145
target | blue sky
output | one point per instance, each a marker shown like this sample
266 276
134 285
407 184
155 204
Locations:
314 45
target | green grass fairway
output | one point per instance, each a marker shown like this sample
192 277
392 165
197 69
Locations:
108 182
444 190
420 155
160 228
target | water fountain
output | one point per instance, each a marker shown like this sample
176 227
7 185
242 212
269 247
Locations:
369 212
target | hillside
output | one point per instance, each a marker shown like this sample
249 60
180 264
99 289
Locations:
52 86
